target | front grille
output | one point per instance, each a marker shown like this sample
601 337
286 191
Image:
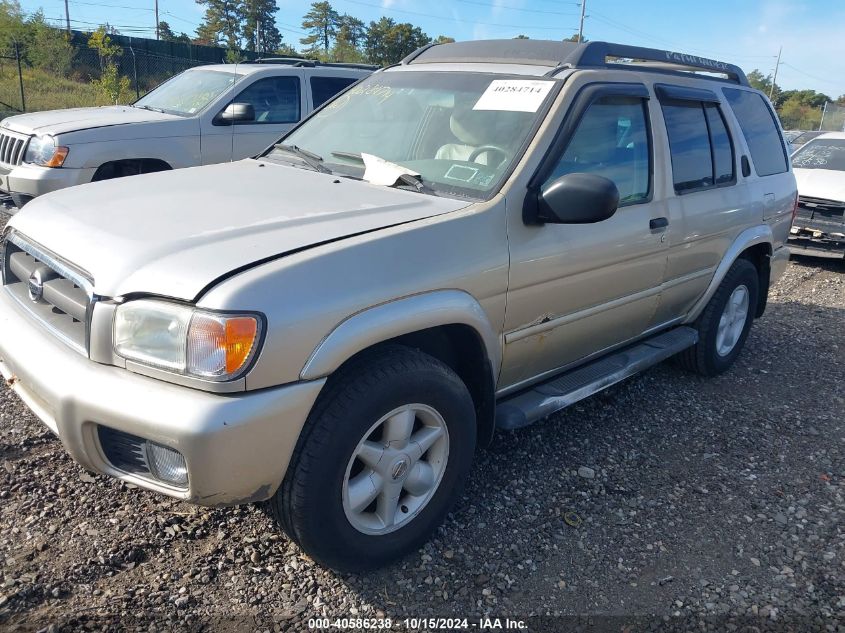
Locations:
124 451
54 292
12 148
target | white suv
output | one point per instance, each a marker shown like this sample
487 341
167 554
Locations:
208 114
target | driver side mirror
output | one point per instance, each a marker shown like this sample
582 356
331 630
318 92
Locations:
235 113
576 199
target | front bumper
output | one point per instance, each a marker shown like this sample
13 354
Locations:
237 447
25 182
818 231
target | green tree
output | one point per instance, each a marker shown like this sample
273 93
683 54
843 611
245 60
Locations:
763 83
107 50
350 36
804 97
12 27
222 23
444 39
321 23
388 42
797 115
521 37
51 49
259 26
112 87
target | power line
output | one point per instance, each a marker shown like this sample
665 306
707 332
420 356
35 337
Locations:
452 19
804 72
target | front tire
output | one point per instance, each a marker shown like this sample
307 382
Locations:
381 460
725 322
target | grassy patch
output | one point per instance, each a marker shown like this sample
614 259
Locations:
43 90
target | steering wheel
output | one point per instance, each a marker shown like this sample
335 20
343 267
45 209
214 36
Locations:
489 149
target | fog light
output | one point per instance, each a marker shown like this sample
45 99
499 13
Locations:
167 464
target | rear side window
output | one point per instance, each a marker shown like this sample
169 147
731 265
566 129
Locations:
324 88
700 146
760 129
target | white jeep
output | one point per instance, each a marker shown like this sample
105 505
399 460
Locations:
209 114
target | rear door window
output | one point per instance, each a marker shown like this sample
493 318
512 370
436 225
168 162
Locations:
760 129
700 145
324 88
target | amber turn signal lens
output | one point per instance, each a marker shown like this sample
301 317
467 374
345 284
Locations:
58 158
240 337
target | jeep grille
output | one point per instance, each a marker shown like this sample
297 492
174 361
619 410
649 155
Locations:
12 148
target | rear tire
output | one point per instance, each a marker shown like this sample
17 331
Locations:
381 460
724 324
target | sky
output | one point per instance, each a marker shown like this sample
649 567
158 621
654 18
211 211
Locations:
744 32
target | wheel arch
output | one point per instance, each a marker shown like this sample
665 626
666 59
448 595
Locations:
754 244
449 325
143 165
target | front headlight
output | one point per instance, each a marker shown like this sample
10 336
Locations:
186 340
42 150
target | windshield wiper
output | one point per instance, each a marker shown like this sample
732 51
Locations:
309 158
411 180
146 107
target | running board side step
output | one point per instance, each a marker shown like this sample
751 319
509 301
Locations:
542 400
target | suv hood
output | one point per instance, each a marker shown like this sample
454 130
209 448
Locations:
821 183
174 233
75 119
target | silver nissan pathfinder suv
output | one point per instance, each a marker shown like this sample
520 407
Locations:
467 241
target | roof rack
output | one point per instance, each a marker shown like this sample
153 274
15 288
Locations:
301 62
560 55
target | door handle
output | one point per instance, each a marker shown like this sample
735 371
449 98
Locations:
658 223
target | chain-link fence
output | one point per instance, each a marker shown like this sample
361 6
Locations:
833 118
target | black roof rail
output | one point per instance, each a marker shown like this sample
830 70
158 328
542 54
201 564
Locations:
596 54
310 63
561 55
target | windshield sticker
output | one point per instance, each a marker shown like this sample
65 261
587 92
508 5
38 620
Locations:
514 95
460 172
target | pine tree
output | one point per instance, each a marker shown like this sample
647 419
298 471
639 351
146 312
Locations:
321 22
261 13
223 22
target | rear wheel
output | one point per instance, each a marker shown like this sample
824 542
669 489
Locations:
381 460
724 324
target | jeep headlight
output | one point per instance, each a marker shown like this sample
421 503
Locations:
42 150
186 340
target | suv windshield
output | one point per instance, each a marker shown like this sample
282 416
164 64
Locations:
821 154
188 92
460 132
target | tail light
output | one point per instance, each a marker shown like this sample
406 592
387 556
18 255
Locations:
795 207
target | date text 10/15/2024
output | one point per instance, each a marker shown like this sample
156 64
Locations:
415 624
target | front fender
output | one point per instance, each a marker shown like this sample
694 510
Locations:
395 318
759 234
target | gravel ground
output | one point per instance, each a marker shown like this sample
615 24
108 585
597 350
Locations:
686 502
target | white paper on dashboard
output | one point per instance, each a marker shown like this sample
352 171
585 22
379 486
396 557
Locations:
514 95
382 172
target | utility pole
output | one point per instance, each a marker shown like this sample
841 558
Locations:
67 18
156 18
258 37
824 112
581 26
775 78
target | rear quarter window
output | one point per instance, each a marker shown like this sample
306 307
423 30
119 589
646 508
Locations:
760 129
